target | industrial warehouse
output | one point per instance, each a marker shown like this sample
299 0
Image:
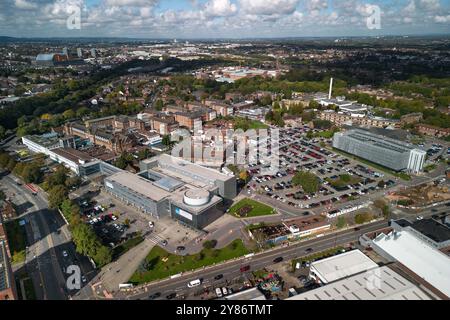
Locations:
390 153
169 186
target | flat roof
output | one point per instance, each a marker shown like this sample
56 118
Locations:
421 258
139 185
379 140
177 198
434 230
73 154
381 283
250 294
183 165
342 265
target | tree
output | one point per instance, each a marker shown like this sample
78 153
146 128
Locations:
83 111
74 181
32 173
166 140
85 239
341 222
159 105
59 177
243 175
313 104
210 244
361 218
144 154
102 256
69 114
56 196
2 195
2 132
308 181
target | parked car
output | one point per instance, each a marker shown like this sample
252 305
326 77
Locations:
218 293
218 277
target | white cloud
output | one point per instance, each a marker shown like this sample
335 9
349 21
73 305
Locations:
269 7
136 3
220 8
442 19
24 4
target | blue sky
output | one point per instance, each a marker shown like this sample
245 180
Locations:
223 18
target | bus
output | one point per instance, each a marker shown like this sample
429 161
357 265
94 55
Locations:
32 188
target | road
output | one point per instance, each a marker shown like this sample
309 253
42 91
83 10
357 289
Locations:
47 237
231 270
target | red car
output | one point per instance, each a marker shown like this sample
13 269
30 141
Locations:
245 268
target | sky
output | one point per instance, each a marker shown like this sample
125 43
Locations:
191 19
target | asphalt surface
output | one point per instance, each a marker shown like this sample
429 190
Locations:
47 238
231 270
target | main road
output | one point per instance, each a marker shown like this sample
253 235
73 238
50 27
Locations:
48 240
231 270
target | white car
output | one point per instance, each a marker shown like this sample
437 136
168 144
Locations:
65 254
218 293
194 283
224 291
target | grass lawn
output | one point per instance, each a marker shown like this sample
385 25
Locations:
127 245
341 182
256 208
160 264
17 240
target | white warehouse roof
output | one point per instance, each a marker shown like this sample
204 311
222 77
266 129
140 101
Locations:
377 284
427 262
342 265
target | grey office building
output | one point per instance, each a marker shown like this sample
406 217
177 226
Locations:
202 177
167 187
390 153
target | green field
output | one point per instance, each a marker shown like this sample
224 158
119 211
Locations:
344 180
17 240
257 208
127 245
160 264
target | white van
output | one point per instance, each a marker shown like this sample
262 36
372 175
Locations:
194 283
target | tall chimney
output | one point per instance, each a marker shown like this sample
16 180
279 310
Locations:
331 88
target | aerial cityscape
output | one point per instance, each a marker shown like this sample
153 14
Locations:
231 150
